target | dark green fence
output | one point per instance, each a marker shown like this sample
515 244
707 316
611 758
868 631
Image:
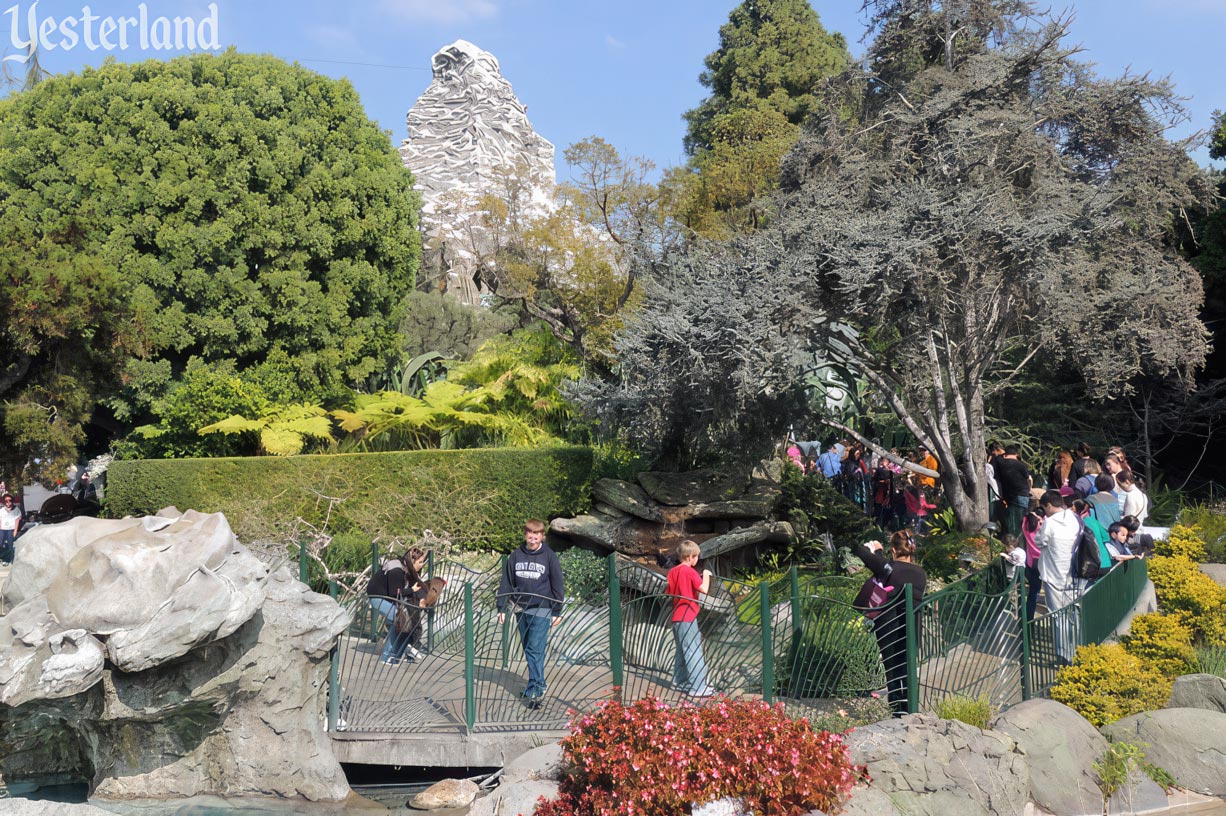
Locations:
797 640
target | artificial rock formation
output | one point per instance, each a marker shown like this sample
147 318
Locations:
724 513
466 131
158 658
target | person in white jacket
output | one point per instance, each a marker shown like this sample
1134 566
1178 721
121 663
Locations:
1056 541
1136 503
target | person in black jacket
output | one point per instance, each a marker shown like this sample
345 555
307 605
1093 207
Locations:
532 587
383 590
890 623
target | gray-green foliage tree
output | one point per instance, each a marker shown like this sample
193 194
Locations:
993 206
223 207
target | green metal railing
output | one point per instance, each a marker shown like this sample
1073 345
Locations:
797 640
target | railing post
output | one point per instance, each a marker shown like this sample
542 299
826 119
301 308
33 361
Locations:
430 611
334 691
470 657
506 622
797 623
1021 616
912 654
303 573
768 650
615 625
374 570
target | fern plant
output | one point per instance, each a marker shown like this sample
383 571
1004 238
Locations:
283 431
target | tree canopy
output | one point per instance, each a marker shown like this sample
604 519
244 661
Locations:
766 78
993 206
217 207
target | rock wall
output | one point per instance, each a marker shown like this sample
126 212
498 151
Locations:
158 658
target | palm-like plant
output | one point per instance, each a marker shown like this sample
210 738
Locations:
283 431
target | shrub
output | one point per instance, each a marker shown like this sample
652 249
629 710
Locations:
825 510
479 497
1115 768
649 759
1210 522
1106 683
1183 541
1163 642
834 655
1183 590
972 711
586 576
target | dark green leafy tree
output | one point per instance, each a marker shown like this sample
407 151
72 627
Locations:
994 207
765 78
223 207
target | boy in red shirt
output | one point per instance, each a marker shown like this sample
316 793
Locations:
684 584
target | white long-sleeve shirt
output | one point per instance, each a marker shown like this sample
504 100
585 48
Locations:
1136 503
1056 540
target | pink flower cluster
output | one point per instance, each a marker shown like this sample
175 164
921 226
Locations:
652 759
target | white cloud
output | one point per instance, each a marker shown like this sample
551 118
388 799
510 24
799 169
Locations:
613 43
440 11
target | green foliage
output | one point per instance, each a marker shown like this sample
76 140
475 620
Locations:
835 654
765 80
1105 683
587 576
1163 642
1210 660
974 711
479 497
772 56
1115 768
283 431
433 321
226 207
850 712
813 504
1209 521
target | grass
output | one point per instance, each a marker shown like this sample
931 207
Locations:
972 711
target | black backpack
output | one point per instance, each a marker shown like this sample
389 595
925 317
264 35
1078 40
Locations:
1086 563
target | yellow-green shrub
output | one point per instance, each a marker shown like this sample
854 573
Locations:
1182 541
1184 591
1106 683
1163 642
972 711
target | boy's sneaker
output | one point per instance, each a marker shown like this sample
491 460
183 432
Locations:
412 654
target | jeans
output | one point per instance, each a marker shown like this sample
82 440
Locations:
393 646
7 551
1014 513
689 667
1034 585
534 635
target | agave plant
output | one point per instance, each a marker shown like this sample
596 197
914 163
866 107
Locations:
283 431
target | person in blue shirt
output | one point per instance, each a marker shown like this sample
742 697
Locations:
830 462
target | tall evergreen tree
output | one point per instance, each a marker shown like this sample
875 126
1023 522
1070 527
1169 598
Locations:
765 80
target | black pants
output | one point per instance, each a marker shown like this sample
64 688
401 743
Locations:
891 631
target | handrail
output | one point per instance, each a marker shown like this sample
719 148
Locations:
811 650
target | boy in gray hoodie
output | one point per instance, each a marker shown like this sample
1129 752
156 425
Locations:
532 587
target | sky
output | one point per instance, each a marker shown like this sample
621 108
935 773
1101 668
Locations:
622 70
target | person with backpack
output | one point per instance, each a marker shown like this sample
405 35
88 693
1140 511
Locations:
1093 559
881 600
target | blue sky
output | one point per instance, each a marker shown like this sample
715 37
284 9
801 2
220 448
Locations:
622 70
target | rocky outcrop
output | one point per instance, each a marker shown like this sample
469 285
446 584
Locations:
1207 691
933 767
724 513
1189 743
157 658
446 794
1061 747
465 132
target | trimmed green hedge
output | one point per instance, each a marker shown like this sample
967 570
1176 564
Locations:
480 497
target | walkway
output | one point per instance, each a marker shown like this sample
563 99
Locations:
808 650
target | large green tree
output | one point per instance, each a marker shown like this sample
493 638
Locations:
993 206
217 207
765 79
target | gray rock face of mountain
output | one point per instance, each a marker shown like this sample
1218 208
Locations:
158 658
466 130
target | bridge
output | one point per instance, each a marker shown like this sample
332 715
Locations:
796 641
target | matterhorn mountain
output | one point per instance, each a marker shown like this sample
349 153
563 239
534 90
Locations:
466 129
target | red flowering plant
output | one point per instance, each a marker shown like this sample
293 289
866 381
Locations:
651 759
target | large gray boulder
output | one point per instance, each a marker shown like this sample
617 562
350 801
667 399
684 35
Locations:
229 704
1207 691
866 800
933 767
514 798
544 762
1189 743
1061 747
